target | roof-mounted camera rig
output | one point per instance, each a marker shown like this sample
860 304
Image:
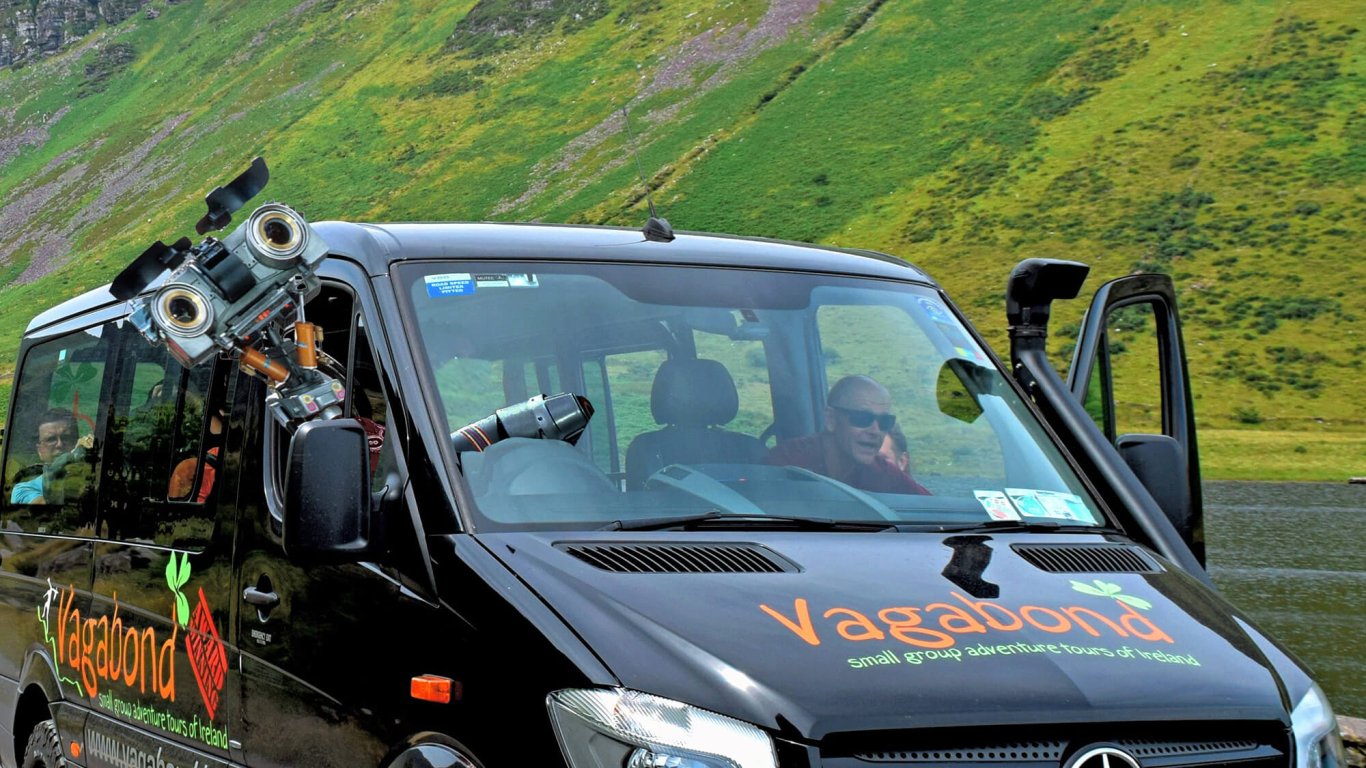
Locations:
241 296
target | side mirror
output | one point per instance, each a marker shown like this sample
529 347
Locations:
327 493
1160 464
959 385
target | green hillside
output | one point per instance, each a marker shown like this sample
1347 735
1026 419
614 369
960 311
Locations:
1223 142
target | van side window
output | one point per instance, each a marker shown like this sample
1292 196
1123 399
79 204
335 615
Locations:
165 444
140 463
367 404
600 437
51 450
1129 371
748 365
630 376
348 357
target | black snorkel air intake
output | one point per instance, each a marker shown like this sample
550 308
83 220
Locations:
1033 286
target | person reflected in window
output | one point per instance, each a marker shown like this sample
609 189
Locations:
183 476
59 445
858 417
369 410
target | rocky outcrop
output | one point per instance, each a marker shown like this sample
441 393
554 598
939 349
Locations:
1354 739
30 30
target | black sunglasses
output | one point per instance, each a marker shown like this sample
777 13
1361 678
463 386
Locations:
860 419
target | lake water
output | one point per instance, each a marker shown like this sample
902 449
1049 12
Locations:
1293 557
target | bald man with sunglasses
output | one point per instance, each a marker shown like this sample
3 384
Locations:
858 416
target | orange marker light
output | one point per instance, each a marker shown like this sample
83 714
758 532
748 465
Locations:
75 750
435 688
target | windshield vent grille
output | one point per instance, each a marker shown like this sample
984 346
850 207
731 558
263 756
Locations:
1087 558
678 557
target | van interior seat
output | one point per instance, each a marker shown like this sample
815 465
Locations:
694 398
526 466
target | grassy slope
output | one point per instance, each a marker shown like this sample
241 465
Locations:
1220 141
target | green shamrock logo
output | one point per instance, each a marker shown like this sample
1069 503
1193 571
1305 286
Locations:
176 576
67 380
1107 589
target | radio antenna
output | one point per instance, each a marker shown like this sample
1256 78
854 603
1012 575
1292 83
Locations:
656 229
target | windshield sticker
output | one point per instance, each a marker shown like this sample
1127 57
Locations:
1050 504
997 505
1069 505
1113 630
935 310
962 345
523 280
450 284
1027 502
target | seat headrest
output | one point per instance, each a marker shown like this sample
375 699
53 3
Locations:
693 393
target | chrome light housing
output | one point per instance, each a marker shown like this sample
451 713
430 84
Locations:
638 730
1318 743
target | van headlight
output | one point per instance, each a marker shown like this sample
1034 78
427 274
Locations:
630 729
1318 744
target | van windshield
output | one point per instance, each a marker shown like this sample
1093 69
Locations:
722 392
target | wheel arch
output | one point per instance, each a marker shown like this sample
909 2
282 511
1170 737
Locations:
430 749
39 688
32 709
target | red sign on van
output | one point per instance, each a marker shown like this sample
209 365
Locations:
207 658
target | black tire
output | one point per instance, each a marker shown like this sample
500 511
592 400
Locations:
44 749
439 750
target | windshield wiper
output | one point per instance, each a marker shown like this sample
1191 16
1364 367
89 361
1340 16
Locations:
1023 526
717 519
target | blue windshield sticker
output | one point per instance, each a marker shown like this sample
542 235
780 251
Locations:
451 284
1050 504
935 310
997 505
1027 502
1068 505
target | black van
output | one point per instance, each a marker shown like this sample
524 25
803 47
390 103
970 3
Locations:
590 498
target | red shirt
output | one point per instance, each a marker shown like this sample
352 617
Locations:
374 439
809 452
182 478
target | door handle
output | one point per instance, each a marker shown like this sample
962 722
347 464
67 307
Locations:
263 597
262 600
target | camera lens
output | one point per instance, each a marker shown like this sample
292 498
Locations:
182 310
278 233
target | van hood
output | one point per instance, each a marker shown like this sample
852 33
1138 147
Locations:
872 631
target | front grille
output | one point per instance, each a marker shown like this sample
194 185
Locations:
1158 745
1155 752
1017 753
680 557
